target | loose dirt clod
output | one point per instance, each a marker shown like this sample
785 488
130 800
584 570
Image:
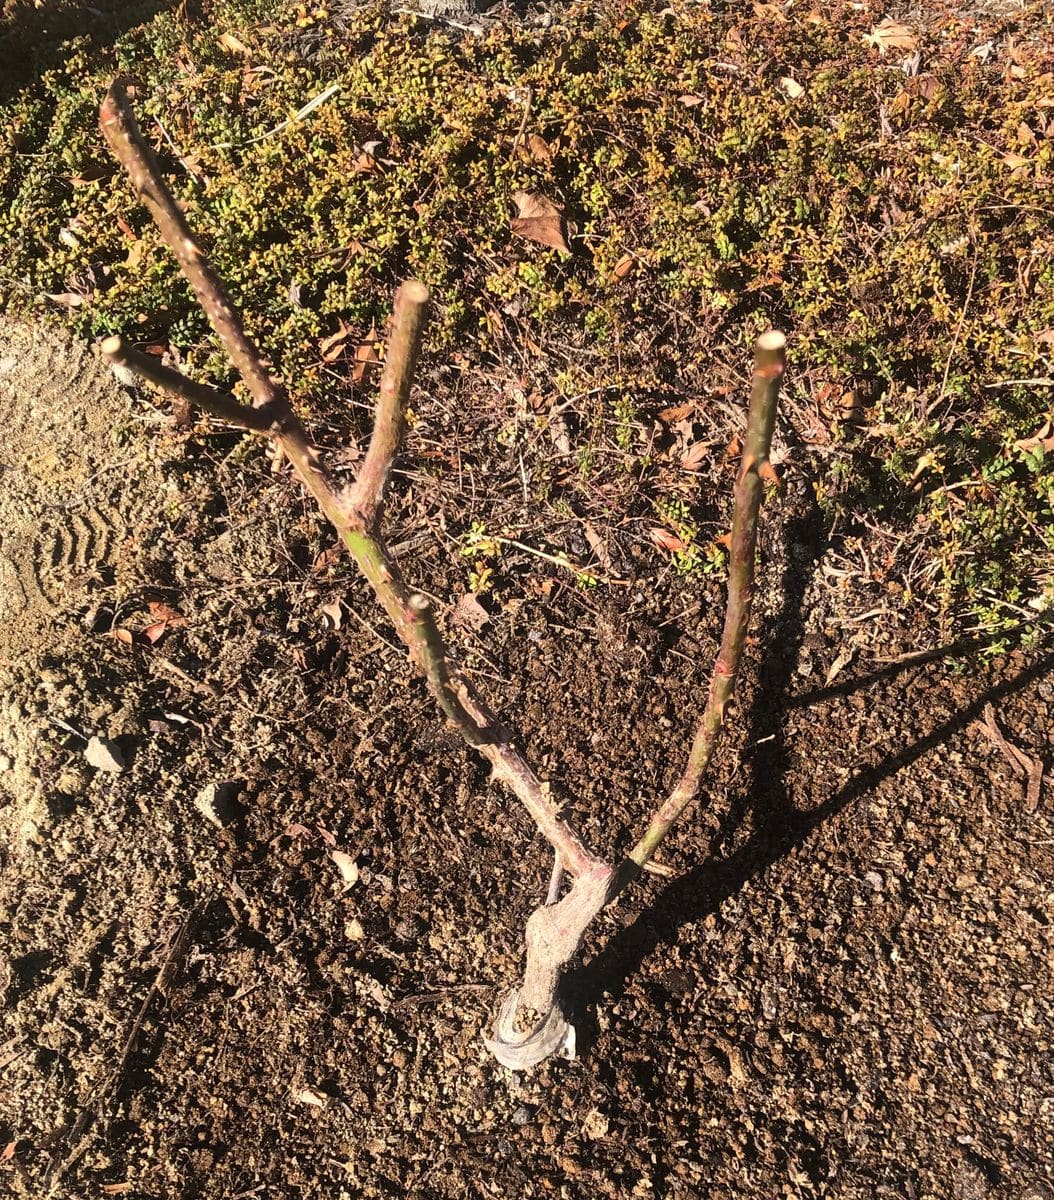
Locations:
104 755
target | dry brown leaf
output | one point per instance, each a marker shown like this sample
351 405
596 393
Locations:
154 633
161 611
229 42
327 558
770 12
469 612
1017 163
724 541
367 353
665 539
924 86
332 347
768 473
1041 439
677 413
597 545
892 35
694 456
539 149
66 299
690 99
540 220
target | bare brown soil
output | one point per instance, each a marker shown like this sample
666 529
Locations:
843 990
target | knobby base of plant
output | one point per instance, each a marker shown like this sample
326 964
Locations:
530 1025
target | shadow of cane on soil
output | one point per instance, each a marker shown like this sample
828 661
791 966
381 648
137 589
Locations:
781 829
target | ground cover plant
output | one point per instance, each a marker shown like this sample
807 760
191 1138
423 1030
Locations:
878 189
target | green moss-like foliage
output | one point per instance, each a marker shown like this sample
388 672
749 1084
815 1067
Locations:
723 172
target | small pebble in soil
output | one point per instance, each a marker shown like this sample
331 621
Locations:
104 755
522 1115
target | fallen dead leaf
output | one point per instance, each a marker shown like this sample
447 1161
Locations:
1043 439
310 1096
154 633
891 35
66 299
792 89
694 456
367 353
597 545
690 100
161 611
539 149
331 614
115 1189
354 931
665 539
770 12
839 664
229 42
469 612
540 220
364 162
327 558
347 866
677 413
332 347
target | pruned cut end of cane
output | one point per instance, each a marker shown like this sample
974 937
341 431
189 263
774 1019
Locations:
414 291
772 341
